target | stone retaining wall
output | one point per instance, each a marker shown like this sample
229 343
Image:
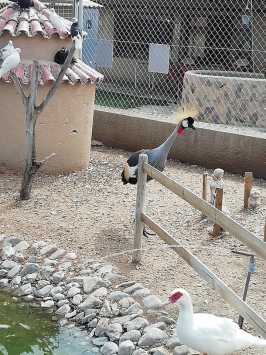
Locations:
227 97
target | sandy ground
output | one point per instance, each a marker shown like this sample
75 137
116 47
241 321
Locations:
92 213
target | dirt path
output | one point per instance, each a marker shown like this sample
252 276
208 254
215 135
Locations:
92 213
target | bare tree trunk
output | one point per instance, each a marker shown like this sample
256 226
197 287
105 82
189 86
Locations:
32 113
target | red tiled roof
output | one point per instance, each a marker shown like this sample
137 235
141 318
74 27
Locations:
49 71
30 21
37 20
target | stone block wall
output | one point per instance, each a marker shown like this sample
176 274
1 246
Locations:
222 97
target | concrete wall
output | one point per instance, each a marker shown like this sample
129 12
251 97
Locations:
63 128
211 146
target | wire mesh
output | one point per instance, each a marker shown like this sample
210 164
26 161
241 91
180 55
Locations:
158 54
210 54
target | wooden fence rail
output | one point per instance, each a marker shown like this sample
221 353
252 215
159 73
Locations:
248 238
245 236
216 284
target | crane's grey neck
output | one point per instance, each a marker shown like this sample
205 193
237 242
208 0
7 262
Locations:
165 147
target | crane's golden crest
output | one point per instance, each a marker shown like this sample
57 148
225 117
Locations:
184 112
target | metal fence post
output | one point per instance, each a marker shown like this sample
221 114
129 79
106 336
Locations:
140 207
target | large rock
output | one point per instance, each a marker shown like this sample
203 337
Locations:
90 302
63 310
14 271
137 323
25 290
152 336
90 283
133 335
29 268
73 291
48 249
43 291
109 348
114 331
9 264
159 325
153 302
21 246
181 350
126 348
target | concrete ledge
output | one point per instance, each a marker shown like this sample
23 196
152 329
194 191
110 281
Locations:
212 145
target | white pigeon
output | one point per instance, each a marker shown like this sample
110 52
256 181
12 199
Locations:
10 62
7 50
57 21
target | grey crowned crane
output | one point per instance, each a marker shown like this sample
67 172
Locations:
157 157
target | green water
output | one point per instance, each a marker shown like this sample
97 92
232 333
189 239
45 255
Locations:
26 329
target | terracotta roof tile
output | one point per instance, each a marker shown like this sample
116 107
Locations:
37 20
31 21
49 71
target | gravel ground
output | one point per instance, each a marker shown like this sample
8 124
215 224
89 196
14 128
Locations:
92 213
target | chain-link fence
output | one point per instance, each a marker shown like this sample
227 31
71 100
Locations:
210 54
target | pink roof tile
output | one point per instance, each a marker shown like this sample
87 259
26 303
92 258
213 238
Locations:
37 20
23 26
37 17
78 72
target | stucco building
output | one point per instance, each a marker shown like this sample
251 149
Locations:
64 127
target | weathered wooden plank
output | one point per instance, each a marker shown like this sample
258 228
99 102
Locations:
249 239
247 187
218 204
204 190
140 207
217 284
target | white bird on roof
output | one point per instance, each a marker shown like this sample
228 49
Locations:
10 62
6 50
58 21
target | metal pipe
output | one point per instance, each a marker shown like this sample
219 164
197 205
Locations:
251 269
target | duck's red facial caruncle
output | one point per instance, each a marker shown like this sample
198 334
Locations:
174 297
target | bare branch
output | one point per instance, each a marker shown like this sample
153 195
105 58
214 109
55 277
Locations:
58 80
19 89
44 159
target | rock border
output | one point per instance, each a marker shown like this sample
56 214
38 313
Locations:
91 296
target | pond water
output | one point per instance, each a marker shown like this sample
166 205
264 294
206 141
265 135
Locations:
26 329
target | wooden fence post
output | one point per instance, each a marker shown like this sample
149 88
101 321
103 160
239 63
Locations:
204 191
247 188
219 205
140 207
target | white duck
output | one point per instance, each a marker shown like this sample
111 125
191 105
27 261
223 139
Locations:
207 333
